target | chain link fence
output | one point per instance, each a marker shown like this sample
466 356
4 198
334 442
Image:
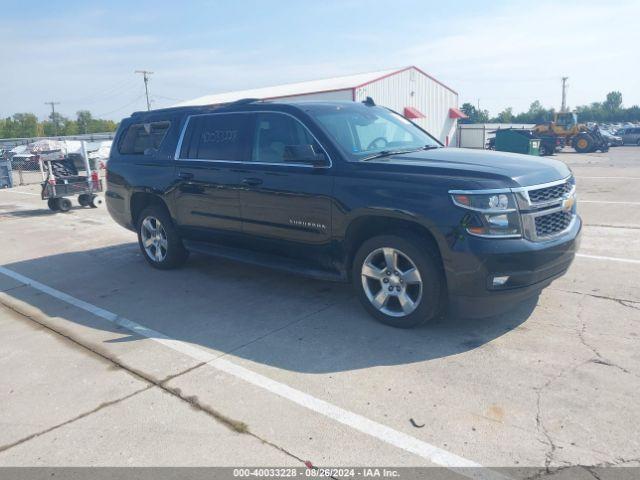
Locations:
25 170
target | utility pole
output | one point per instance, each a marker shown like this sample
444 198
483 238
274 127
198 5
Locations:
54 119
145 76
563 107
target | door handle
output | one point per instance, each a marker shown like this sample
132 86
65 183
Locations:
252 182
186 175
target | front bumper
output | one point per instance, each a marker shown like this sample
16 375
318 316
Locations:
473 262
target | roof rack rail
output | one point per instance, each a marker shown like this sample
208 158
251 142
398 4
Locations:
244 101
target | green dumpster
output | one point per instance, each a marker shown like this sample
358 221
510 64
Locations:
517 141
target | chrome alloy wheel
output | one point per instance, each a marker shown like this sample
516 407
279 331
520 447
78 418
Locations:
391 282
154 239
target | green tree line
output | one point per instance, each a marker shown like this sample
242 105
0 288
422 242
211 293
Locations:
22 125
609 110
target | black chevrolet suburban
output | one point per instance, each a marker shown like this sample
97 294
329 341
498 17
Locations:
345 191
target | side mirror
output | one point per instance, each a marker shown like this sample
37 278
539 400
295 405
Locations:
304 154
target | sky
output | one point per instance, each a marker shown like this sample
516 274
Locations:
83 54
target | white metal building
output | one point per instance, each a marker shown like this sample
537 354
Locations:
409 91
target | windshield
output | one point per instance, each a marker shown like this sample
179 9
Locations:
362 131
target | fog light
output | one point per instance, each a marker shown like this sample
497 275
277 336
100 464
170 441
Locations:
500 281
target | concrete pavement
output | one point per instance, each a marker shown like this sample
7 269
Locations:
551 383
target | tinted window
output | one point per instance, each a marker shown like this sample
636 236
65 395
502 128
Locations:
216 137
142 136
275 132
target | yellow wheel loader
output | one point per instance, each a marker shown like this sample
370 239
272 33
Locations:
582 138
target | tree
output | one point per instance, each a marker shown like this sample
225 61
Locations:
84 119
633 113
613 102
537 113
505 116
7 128
475 115
468 109
55 125
99 126
25 125
70 128
535 108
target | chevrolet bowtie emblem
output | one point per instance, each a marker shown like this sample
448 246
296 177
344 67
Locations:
568 203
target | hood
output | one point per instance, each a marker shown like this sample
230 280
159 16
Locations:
522 170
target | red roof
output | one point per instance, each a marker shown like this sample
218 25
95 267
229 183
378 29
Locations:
456 113
410 112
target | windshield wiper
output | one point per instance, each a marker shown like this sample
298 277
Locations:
387 153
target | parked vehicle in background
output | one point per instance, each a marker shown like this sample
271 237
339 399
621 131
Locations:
345 191
613 140
629 135
25 162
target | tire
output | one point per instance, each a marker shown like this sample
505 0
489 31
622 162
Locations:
583 143
64 204
52 203
543 150
96 201
84 199
164 248
372 281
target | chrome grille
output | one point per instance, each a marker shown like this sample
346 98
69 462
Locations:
553 223
550 193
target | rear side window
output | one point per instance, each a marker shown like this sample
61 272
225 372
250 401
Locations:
142 136
216 137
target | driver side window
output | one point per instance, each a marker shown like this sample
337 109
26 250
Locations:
274 133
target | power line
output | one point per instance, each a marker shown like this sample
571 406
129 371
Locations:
109 92
54 119
145 76
122 107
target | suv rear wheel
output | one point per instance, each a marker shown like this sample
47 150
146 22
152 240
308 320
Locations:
398 280
159 240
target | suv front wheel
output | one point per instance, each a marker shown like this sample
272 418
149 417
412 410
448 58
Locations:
158 239
398 280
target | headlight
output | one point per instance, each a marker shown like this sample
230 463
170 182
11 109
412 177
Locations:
494 214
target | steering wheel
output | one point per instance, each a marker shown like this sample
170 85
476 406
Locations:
374 143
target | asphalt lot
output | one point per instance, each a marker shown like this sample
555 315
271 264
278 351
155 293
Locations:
105 361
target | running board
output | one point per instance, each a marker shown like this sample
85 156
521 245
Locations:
275 262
